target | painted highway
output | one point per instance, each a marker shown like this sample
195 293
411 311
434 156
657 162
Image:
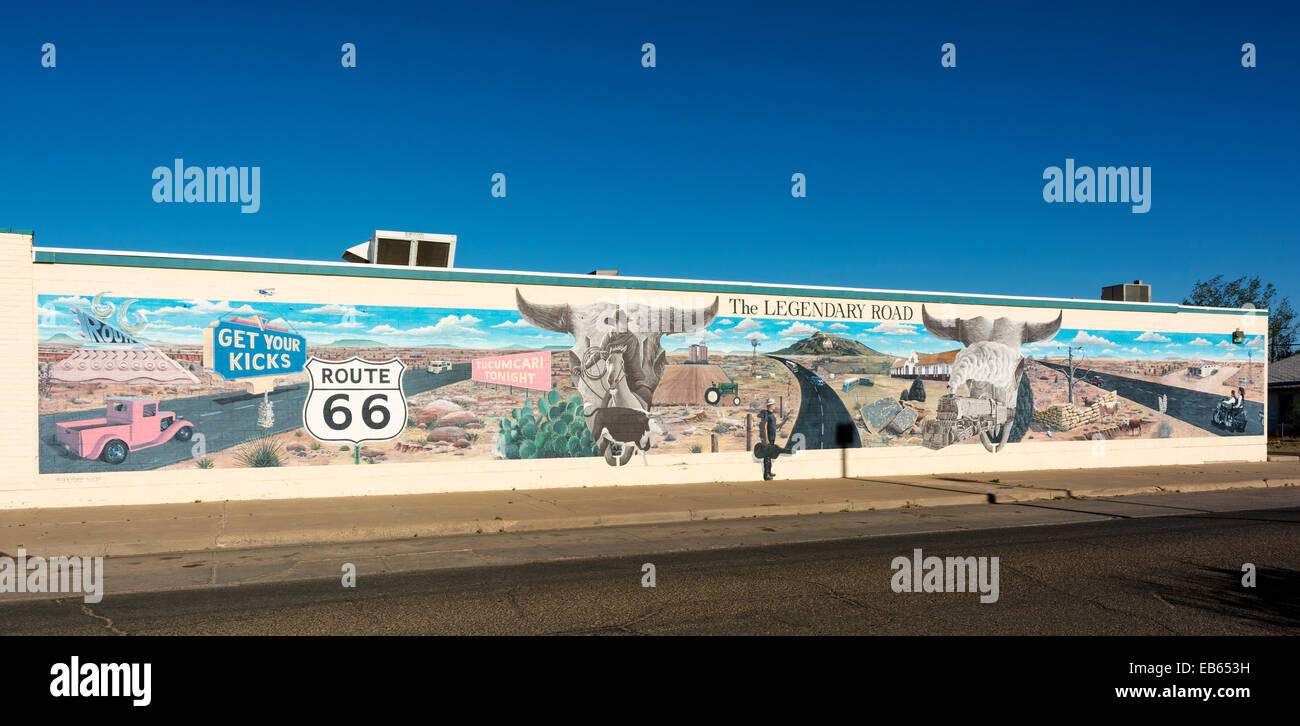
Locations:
1194 407
821 413
222 419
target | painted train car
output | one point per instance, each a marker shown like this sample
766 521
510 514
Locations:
332 379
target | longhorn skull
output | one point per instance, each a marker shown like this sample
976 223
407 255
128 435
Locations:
991 364
617 361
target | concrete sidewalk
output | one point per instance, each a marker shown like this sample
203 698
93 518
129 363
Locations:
134 530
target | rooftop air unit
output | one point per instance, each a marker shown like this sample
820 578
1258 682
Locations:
408 249
1137 291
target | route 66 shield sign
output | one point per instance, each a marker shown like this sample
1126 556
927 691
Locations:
354 400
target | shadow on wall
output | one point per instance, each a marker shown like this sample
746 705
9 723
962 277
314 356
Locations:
844 440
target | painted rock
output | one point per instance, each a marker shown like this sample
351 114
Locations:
457 417
436 409
903 422
447 433
877 415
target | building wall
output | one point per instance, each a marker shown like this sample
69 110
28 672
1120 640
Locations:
1283 413
19 484
458 320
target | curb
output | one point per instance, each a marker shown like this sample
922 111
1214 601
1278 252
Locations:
1182 488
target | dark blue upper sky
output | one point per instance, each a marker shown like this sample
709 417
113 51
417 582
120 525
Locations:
919 177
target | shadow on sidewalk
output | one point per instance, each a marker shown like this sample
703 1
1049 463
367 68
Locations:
915 485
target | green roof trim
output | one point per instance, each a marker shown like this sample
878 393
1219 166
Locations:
50 255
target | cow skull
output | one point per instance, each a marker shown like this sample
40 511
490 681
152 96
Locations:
617 361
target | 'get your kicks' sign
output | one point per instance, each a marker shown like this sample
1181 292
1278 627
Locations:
243 349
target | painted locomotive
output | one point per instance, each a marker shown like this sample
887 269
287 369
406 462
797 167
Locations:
958 418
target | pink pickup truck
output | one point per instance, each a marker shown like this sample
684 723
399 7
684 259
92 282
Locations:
131 424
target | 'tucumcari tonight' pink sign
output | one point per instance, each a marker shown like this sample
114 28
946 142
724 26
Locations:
524 370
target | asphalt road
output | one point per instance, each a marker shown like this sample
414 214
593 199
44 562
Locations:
1168 564
821 413
1194 407
223 419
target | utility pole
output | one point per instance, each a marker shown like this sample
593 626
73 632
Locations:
1069 351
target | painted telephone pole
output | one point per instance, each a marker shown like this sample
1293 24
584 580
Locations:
1069 351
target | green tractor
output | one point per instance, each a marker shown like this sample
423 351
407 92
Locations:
716 392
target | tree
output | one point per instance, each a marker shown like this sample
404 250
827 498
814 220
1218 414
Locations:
1218 293
917 393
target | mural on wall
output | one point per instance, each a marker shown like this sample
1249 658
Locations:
136 383
617 360
991 367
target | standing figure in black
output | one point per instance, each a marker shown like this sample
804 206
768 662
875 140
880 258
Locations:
767 436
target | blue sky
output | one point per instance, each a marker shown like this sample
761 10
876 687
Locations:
900 339
918 177
182 322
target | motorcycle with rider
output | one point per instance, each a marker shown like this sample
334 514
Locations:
1230 414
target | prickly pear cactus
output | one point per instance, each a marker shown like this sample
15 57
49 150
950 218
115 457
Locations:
555 429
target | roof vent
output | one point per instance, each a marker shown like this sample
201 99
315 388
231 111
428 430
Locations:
407 249
1137 291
